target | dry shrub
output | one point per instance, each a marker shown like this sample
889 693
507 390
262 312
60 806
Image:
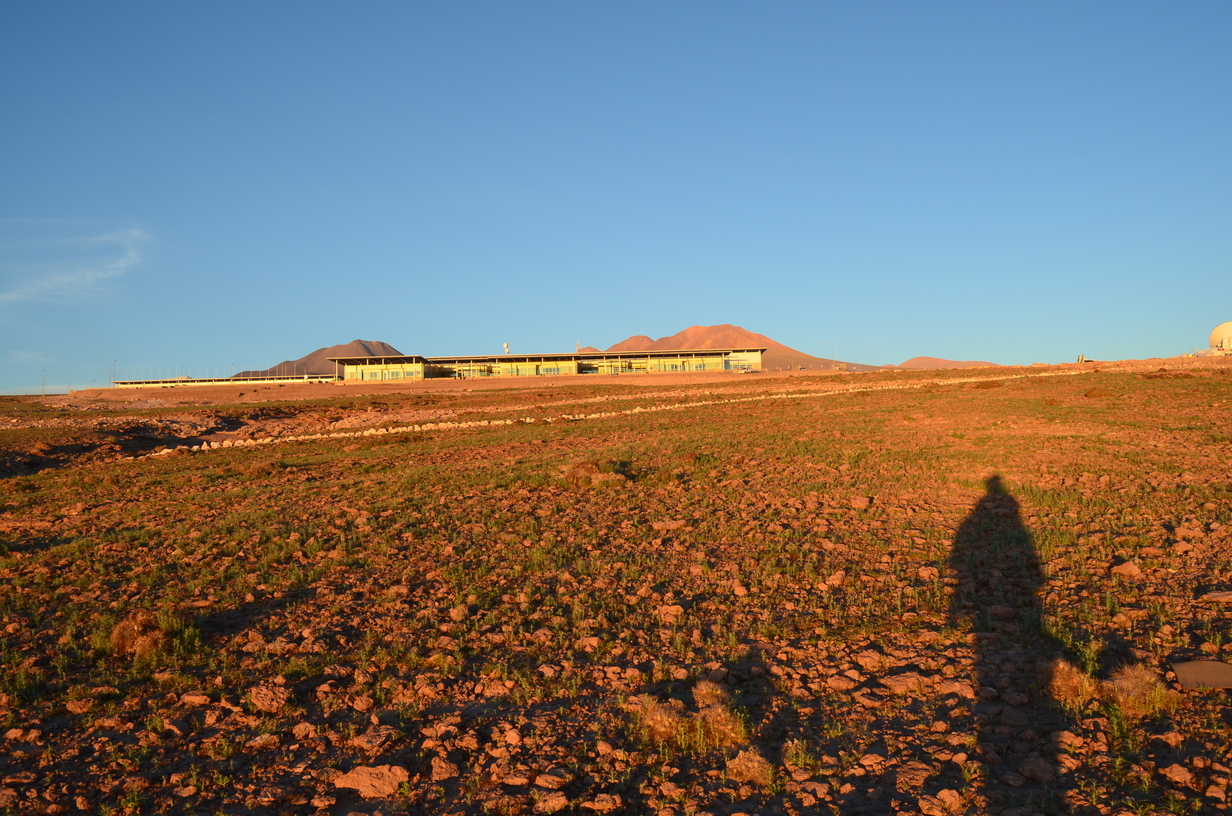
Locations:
721 727
714 725
708 693
581 472
138 634
750 766
1098 392
589 473
1070 685
1137 692
663 721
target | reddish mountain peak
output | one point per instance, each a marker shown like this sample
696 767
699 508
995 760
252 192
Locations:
699 337
777 356
638 342
318 361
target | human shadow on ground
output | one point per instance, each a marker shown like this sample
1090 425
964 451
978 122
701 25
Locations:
995 560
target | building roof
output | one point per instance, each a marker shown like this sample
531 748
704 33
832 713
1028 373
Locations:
561 357
401 359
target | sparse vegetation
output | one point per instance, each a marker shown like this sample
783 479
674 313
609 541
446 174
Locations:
806 593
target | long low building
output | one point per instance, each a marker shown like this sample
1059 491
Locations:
273 379
414 367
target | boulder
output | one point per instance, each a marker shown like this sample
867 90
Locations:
374 782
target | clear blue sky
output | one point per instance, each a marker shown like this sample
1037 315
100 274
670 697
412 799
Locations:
217 184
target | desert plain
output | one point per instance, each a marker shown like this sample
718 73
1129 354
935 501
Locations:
940 592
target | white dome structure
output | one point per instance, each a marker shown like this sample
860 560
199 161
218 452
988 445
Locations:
1221 336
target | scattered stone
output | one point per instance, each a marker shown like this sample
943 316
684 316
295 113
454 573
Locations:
958 688
1220 597
1172 739
1129 570
552 802
841 683
604 803
912 776
269 699
946 802
674 524
374 782
1038 769
870 660
670 614
1066 740
443 769
263 741
1014 716
1004 613
553 779
374 740
903 683
1177 774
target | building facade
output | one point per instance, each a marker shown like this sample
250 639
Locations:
414 367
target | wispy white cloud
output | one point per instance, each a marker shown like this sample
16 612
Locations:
18 357
104 257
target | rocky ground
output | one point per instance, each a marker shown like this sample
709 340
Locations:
938 593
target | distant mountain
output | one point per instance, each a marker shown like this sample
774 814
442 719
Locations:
777 355
920 363
318 361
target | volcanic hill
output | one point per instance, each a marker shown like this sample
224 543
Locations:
318 361
777 355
